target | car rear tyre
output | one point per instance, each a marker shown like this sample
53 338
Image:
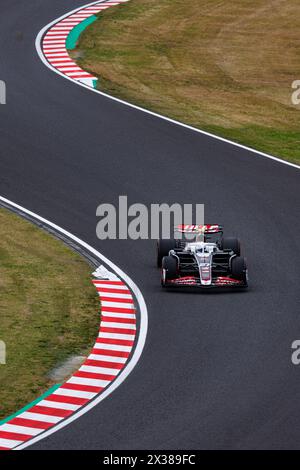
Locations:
163 248
230 243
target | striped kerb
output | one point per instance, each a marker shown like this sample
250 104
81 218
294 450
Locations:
54 42
108 357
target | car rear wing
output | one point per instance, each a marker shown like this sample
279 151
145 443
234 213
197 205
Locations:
199 229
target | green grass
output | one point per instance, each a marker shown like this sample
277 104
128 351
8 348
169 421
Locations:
49 309
225 67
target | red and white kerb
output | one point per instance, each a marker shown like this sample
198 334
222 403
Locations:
54 42
108 357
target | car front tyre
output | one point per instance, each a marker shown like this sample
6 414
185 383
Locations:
239 269
169 269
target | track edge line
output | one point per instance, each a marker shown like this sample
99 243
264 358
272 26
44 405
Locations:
142 334
139 108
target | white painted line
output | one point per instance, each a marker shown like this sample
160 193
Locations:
106 303
113 295
113 347
78 74
103 334
99 370
54 41
55 35
54 49
125 326
75 393
102 358
62 64
59 405
9 443
66 68
120 316
67 29
20 429
86 381
70 22
57 54
40 417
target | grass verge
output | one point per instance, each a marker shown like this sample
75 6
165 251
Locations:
222 66
48 309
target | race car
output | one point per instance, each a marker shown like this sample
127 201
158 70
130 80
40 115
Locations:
209 260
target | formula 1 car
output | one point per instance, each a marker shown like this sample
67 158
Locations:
209 260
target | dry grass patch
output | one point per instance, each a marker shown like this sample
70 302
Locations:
224 66
48 309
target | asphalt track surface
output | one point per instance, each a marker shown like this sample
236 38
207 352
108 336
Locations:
216 371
